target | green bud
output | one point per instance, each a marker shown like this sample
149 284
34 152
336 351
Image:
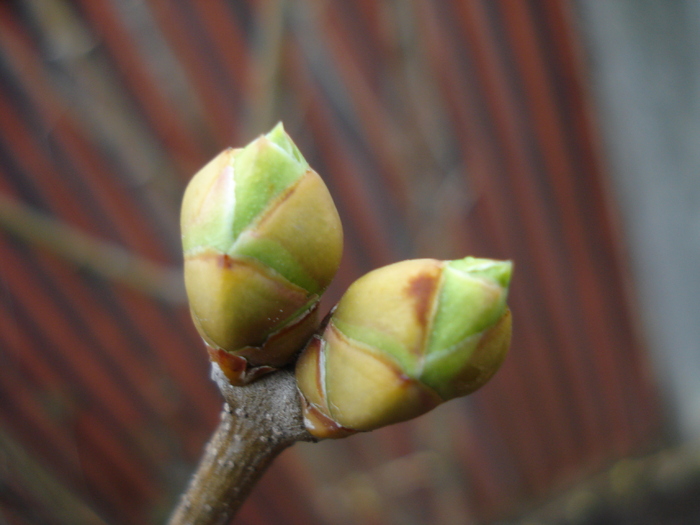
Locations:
262 240
403 339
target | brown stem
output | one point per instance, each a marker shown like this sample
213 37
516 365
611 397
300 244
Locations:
258 422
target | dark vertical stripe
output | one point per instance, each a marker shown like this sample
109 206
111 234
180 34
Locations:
558 171
602 225
181 143
219 109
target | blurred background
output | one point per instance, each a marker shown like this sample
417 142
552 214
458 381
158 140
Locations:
561 134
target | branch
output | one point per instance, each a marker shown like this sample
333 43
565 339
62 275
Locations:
258 422
660 488
108 260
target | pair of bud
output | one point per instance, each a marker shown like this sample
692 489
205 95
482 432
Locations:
263 240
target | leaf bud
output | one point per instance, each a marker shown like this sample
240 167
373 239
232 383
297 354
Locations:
262 240
403 339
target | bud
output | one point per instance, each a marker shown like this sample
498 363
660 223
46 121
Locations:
403 339
262 241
